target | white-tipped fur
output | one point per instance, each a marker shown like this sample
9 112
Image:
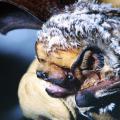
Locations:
83 23
106 109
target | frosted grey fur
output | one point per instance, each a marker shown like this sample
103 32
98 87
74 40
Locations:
82 24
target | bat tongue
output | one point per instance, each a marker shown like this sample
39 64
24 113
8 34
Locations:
57 91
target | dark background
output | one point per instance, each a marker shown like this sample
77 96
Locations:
16 54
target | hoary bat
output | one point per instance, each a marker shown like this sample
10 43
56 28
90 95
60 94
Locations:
78 57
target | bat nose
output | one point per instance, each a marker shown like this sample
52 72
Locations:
85 99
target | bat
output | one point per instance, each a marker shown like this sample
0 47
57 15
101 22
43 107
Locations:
29 14
93 68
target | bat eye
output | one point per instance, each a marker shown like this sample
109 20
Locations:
41 74
70 77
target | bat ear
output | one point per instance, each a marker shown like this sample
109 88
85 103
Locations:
14 17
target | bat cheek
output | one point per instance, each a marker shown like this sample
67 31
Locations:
85 99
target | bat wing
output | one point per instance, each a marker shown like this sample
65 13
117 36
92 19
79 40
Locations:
31 14
13 17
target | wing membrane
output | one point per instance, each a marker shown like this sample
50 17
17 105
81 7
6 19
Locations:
15 14
12 17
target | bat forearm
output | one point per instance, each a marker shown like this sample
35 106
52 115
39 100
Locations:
42 9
